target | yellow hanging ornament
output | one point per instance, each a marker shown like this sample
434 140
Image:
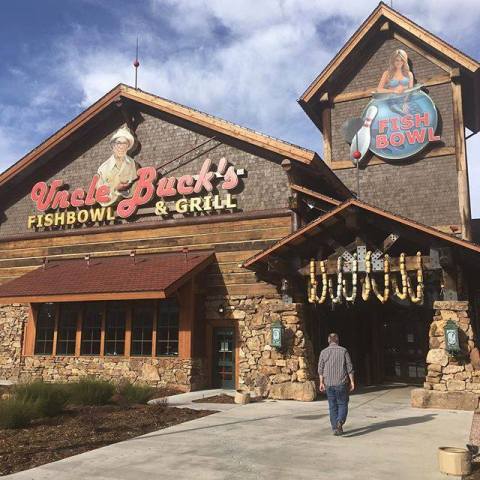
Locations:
402 295
417 297
367 284
386 275
351 298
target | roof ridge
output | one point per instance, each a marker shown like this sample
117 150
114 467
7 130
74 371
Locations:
215 117
388 12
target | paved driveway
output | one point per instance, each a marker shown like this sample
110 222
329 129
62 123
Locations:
385 439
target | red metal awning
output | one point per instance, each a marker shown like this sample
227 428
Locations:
106 278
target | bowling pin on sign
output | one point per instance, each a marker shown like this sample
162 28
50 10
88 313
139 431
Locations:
361 140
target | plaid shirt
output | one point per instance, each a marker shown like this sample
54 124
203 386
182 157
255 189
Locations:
334 364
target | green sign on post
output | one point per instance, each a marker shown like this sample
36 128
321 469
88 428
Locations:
451 337
277 335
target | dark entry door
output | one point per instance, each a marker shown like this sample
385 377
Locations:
405 343
224 358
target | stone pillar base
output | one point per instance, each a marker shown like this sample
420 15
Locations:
301 391
422 398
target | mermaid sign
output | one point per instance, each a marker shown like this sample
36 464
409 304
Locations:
399 121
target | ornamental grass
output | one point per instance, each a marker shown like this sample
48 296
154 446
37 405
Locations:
91 391
130 394
49 398
15 413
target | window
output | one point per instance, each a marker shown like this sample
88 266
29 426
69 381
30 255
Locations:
142 328
45 327
105 327
167 328
115 329
92 329
67 329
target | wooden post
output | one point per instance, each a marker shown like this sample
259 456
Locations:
128 330
78 335
327 135
55 329
461 157
154 328
30 331
102 332
187 315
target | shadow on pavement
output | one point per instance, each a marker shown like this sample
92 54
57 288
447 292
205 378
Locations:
311 417
398 422
380 388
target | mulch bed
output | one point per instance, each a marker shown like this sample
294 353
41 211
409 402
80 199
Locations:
223 398
81 429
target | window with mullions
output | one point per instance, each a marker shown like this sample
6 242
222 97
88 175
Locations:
92 329
142 328
167 328
44 328
67 329
115 329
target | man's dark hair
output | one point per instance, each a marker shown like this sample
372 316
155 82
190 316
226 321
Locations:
333 338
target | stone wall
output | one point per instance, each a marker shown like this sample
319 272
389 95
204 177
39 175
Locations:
286 373
452 381
185 374
13 318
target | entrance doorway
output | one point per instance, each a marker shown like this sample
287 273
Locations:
387 343
224 357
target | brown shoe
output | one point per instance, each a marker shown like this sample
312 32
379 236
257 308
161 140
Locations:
339 428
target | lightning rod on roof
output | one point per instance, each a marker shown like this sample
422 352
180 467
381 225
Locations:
136 64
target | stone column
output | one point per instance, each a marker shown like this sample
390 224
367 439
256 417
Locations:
451 381
286 373
13 319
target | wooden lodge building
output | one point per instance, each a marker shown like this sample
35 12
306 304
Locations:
150 241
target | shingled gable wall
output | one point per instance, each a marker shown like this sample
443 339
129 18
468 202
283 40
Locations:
160 142
424 189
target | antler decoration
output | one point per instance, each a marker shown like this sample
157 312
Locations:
353 296
402 295
367 284
418 297
386 275
313 284
338 297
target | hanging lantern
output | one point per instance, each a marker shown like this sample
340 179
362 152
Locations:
277 334
452 341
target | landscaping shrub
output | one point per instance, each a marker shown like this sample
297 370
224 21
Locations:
15 413
49 398
130 394
90 391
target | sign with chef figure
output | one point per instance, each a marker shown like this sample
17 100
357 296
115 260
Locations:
399 121
119 171
121 187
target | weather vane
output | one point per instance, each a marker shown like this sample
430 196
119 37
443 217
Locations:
136 64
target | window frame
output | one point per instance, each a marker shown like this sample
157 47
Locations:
30 346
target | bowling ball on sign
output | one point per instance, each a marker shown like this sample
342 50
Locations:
392 108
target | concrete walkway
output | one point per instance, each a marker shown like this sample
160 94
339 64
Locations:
385 439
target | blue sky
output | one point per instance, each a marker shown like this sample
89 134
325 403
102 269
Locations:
245 60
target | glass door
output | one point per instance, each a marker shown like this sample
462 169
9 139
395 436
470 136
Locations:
224 358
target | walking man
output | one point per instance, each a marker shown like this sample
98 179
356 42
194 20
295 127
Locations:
335 370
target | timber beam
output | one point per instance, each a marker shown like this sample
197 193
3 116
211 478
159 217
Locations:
411 264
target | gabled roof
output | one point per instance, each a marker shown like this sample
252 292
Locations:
381 14
315 227
216 125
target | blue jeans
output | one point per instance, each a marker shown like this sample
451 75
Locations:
338 404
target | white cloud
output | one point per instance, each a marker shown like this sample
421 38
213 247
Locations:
246 61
